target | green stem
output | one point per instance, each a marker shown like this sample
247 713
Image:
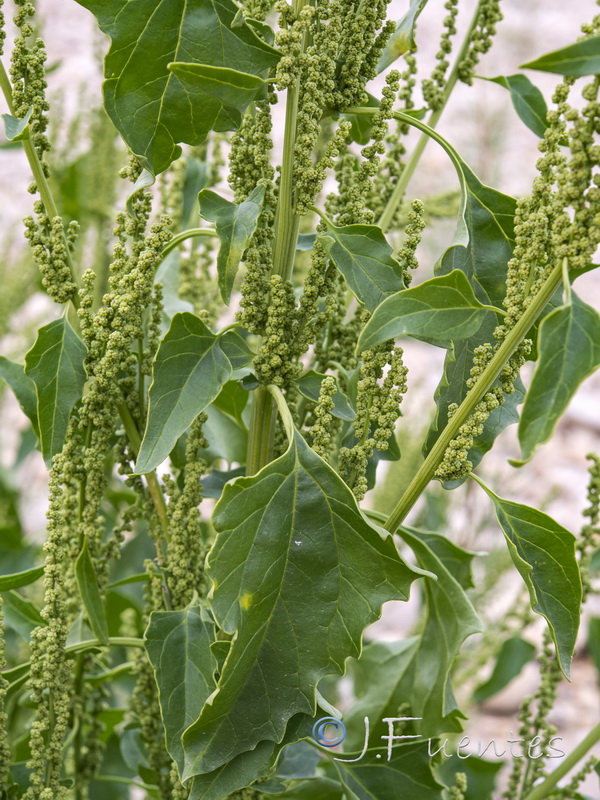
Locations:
184 236
40 179
153 485
261 439
389 212
114 641
475 395
566 765
261 432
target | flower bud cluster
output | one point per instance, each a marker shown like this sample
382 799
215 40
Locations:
407 254
28 77
49 244
433 88
185 553
356 195
321 431
481 39
377 411
273 364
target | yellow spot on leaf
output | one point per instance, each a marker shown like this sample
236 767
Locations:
246 601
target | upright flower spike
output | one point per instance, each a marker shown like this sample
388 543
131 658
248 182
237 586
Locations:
274 361
185 549
377 411
557 222
48 244
489 15
28 76
433 87
2 31
322 428
50 680
355 208
413 231
590 533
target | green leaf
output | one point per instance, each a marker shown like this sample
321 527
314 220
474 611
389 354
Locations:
23 388
16 130
569 351
362 124
363 256
235 348
55 365
315 788
482 249
481 775
189 371
582 58
21 615
403 38
406 774
87 583
151 107
441 308
232 399
247 767
235 225
544 554
18 579
298 573
417 670
226 437
178 646
528 101
512 657
309 386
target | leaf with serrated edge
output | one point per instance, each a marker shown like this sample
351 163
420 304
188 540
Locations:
87 583
569 351
298 573
153 109
235 225
178 644
441 308
408 773
581 58
55 365
544 553
417 670
189 371
363 256
250 766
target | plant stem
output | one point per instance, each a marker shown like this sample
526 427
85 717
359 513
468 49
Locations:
40 179
387 216
541 790
184 236
475 395
153 486
261 439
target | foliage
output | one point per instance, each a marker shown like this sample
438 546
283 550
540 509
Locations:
219 392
